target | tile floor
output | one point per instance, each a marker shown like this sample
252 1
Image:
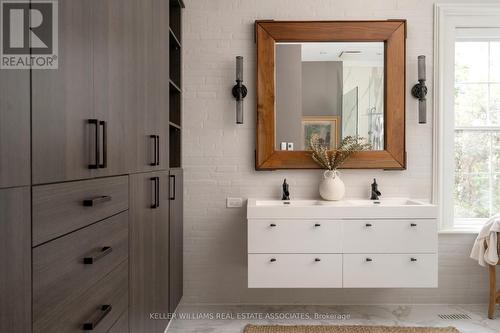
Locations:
233 318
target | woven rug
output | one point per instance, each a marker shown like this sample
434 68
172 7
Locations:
347 329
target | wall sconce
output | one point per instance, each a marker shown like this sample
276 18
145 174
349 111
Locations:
420 91
239 90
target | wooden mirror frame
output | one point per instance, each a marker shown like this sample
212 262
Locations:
391 32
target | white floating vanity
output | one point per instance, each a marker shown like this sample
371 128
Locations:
389 243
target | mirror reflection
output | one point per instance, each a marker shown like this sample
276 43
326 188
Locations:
330 89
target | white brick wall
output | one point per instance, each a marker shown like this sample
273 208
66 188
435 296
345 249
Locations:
218 155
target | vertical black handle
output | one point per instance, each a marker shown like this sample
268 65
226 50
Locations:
154 150
157 150
156 191
172 187
104 310
97 143
104 163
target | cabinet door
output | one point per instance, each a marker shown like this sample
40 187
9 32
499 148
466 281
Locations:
15 255
62 138
148 97
149 246
14 128
113 83
176 237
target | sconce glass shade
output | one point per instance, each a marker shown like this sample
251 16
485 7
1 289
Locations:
421 68
239 68
239 112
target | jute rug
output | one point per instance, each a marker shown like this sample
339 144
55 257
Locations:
347 329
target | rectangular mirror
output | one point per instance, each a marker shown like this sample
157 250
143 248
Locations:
331 89
334 79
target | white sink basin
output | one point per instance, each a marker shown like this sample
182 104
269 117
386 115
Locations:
388 208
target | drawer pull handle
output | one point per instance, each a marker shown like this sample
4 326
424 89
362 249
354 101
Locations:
96 200
272 225
272 260
317 225
104 310
317 259
99 255
155 149
369 259
368 225
413 259
413 225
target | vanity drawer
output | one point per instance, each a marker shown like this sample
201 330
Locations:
60 274
403 236
390 270
61 208
70 315
294 271
294 236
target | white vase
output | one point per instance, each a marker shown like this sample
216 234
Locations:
331 188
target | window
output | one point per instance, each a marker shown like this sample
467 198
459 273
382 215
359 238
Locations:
467 117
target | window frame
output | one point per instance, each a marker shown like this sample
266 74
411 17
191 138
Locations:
447 18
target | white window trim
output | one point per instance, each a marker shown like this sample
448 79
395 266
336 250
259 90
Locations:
448 17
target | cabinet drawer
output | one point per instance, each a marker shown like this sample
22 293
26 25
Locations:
70 315
294 270
61 208
289 236
405 236
60 274
390 271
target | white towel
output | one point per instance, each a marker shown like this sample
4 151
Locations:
485 246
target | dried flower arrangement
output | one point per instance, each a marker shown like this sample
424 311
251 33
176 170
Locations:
333 159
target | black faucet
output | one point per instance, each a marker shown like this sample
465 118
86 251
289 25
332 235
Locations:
375 192
286 192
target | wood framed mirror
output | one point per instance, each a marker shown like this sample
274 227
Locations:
332 78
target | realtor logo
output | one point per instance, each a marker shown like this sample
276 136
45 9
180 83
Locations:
28 34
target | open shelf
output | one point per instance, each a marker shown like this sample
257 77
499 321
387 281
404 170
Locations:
175 146
175 81
175 17
174 41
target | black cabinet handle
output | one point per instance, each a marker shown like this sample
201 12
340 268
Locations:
156 191
100 254
413 259
104 310
272 260
368 225
413 224
97 144
317 225
172 187
272 225
104 163
96 200
154 150
369 259
317 259
157 150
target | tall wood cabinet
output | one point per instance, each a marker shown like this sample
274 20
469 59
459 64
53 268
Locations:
91 182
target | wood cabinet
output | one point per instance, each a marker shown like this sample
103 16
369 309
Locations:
14 128
176 237
149 251
62 139
15 255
